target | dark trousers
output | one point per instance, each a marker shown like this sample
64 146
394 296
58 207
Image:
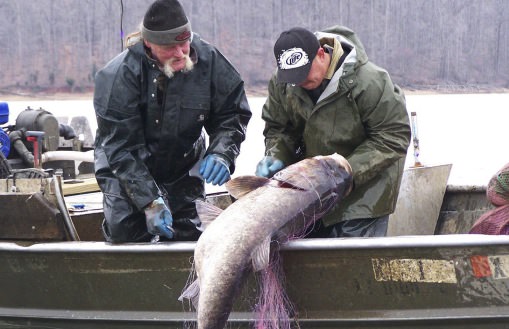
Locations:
363 227
122 223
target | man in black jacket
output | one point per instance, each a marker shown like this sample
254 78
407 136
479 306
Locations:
152 102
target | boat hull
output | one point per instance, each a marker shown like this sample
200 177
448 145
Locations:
447 281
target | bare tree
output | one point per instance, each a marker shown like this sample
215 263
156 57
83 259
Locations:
422 43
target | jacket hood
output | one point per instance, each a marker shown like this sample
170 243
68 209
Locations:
344 34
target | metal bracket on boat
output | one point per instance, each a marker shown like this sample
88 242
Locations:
71 229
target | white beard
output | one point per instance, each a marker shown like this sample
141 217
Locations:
170 72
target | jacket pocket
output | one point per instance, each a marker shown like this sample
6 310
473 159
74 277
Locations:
192 116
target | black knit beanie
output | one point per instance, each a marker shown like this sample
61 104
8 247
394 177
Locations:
165 22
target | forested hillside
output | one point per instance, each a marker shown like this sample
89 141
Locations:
437 44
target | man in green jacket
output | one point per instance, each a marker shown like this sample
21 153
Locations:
327 97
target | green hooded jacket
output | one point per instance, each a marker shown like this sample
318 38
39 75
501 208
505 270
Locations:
361 115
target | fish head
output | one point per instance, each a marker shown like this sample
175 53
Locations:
336 160
340 171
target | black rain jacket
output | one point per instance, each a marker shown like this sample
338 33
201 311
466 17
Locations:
150 128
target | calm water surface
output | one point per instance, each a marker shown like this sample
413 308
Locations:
468 130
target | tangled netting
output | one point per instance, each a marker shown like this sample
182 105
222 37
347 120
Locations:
496 221
274 308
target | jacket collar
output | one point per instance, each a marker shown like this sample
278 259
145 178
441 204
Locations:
337 82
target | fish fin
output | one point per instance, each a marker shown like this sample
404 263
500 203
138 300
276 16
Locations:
260 256
207 213
192 292
242 185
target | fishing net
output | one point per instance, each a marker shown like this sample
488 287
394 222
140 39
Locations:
274 308
496 221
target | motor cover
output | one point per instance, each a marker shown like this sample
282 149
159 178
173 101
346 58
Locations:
40 120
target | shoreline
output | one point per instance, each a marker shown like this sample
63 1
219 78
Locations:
252 92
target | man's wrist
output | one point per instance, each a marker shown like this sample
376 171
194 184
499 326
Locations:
152 204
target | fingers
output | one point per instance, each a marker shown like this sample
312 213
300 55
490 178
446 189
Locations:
262 169
222 177
209 169
219 175
206 167
164 223
275 166
214 171
166 231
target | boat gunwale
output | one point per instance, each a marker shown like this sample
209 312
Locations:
394 242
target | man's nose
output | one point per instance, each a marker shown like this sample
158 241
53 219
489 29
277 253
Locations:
179 50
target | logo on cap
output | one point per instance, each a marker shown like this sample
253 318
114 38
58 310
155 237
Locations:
293 58
183 36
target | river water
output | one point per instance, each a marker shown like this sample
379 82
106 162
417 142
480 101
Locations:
468 131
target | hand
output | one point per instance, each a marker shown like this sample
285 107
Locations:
268 166
215 169
159 219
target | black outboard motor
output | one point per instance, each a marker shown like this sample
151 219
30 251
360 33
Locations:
39 120
35 137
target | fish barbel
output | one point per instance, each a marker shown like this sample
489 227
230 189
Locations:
279 208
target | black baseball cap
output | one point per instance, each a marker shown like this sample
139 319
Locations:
295 50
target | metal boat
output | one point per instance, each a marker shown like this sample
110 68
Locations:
57 272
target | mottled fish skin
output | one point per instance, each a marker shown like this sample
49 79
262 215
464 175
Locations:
292 200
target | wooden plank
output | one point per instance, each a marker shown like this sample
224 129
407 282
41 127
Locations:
75 186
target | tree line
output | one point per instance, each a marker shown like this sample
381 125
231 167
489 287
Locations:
424 44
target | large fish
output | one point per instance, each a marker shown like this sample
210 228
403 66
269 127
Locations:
279 208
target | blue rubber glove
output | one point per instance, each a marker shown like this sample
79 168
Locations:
215 169
159 219
268 166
